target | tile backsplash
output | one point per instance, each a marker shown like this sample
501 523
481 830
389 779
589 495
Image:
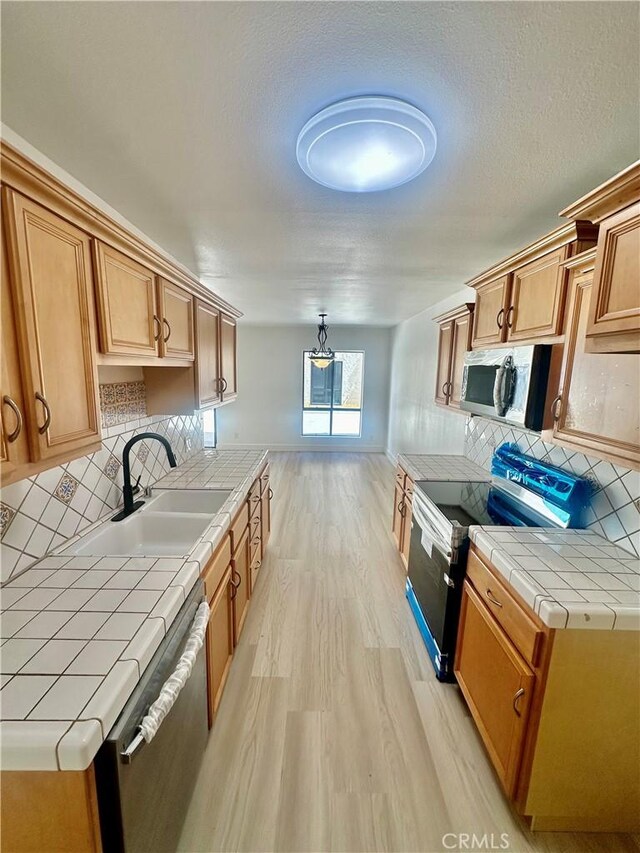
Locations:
615 506
38 514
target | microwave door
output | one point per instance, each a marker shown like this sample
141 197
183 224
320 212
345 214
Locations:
478 383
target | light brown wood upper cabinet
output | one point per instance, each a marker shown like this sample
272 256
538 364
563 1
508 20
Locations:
228 357
492 304
598 407
537 299
497 684
14 447
208 385
614 315
454 341
175 309
521 299
50 271
127 311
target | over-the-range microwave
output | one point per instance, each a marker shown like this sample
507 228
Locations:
509 385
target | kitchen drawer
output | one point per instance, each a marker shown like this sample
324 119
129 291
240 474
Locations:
523 632
256 547
264 479
216 568
409 486
238 527
400 477
254 497
254 525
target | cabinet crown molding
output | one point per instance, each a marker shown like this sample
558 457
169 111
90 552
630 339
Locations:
579 230
583 262
610 197
461 310
31 180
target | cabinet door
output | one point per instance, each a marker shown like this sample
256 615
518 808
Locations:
267 497
50 268
127 315
615 308
492 302
443 373
497 684
537 298
176 313
14 447
241 577
208 356
599 407
398 498
228 357
460 346
219 642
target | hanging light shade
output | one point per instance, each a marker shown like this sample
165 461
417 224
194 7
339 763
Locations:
322 355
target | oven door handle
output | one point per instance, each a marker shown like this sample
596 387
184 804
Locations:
429 529
170 690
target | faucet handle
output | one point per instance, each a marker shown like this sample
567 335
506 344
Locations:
136 488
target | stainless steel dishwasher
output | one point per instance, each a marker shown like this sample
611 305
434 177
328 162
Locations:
144 789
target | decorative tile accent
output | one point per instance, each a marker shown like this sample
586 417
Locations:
66 488
615 506
111 468
121 402
143 451
6 517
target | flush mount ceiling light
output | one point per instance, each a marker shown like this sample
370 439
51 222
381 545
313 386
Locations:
322 355
366 144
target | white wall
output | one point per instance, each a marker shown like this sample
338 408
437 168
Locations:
268 411
416 424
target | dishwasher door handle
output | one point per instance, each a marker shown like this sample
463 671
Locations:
170 690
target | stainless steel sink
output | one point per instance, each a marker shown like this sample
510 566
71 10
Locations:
186 500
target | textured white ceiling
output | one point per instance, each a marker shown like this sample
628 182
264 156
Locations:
184 116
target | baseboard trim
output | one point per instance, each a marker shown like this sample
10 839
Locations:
304 448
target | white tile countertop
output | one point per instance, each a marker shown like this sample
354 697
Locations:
77 632
570 578
449 468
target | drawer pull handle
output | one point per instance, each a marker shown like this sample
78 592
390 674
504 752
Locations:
270 494
47 412
493 599
516 699
9 401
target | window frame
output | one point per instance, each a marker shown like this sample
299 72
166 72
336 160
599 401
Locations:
331 408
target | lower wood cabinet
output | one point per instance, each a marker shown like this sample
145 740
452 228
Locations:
557 709
597 410
219 641
241 580
402 503
497 684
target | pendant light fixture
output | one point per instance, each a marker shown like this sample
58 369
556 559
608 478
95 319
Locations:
323 355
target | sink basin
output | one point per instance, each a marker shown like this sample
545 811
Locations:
187 500
149 534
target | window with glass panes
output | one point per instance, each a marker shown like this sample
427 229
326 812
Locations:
332 396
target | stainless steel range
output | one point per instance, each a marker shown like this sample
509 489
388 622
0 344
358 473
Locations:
523 493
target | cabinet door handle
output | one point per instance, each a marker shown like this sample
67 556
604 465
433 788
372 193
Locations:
509 318
9 401
516 699
166 323
493 599
449 389
158 326
47 413
444 389
499 317
224 384
554 409
270 493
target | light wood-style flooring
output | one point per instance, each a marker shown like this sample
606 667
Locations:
333 733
